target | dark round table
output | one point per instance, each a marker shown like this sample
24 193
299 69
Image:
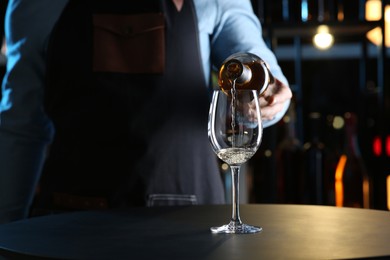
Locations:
289 232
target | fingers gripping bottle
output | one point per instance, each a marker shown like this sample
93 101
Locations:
244 71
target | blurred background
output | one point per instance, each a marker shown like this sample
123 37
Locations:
333 145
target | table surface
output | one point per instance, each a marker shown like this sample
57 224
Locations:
289 232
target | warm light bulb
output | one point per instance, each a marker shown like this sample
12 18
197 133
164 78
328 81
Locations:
373 10
375 35
323 39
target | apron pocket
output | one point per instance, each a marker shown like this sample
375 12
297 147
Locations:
129 43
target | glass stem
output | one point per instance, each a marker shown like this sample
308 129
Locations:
235 194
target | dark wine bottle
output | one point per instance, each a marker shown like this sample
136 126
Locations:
315 162
289 161
352 185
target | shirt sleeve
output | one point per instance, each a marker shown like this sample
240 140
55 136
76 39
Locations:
25 130
237 29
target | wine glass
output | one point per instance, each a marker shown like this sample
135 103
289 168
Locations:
235 132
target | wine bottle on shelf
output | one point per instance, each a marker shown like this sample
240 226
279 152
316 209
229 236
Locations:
289 161
352 184
305 14
291 10
309 10
324 10
339 10
314 159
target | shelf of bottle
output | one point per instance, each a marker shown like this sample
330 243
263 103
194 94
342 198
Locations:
292 29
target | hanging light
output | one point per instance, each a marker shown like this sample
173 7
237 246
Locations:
373 10
374 13
323 39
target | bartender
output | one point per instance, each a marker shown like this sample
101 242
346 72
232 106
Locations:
88 121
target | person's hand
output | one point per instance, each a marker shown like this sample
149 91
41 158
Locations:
273 99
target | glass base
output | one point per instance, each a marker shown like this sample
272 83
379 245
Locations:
236 228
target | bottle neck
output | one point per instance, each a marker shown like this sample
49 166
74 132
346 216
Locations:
238 72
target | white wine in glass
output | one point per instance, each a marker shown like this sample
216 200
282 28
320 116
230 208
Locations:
235 132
